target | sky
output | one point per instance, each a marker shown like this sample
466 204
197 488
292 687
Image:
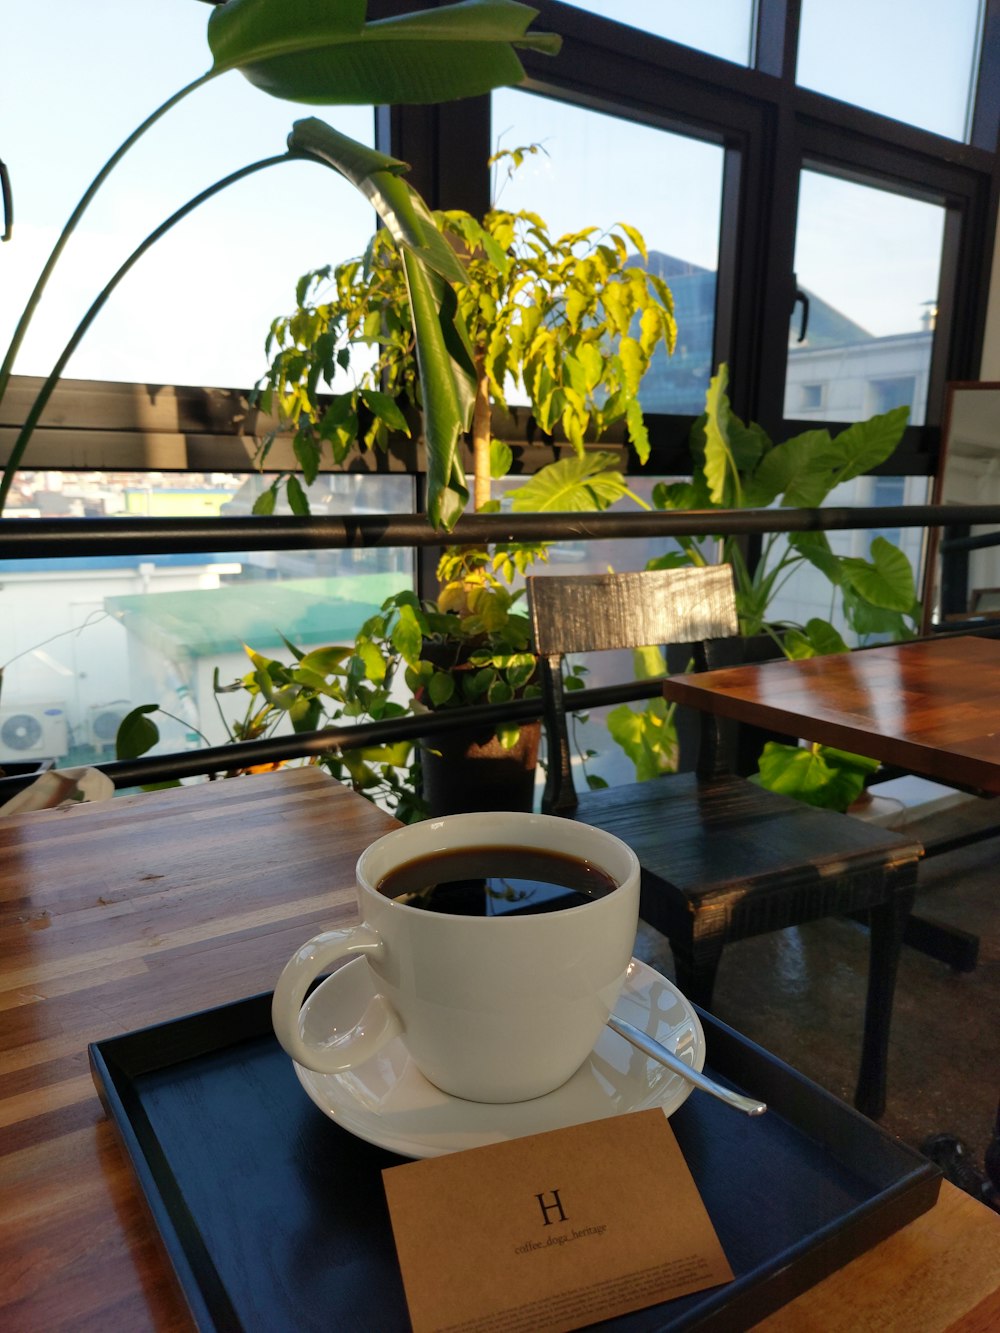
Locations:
196 309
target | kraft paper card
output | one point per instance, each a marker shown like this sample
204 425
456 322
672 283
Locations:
552 1232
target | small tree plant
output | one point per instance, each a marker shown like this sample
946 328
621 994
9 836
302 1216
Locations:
567 320
570 322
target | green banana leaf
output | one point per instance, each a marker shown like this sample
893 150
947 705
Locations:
324 52
572 484
378 177
444 354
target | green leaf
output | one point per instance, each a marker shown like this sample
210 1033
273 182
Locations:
648 737
508 736
386 409
637 432
297 653
324 661
824 638
817 639
407 637
669 560
679 495
449 384
592 364
441 688
571 485
718 460
324 53
402 210
479 682
866 444
648 663
136 734
305 714
866 619
636 237
499 691
501 458
633 364
297 498
372 661
817 775
887 581
265 502
800 470
815 546
748 444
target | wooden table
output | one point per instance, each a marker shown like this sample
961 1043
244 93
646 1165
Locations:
931 706
118 915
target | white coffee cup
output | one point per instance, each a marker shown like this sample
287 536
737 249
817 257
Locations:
490 1008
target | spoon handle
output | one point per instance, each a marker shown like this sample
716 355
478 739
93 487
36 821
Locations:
656 1051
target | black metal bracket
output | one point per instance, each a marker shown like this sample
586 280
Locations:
8 203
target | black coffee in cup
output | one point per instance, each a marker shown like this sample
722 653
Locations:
496 881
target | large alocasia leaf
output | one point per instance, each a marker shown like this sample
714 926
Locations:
866 444
886 580
572 485
800 470
324 52
718 463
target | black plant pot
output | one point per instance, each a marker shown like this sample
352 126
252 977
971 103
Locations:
469 770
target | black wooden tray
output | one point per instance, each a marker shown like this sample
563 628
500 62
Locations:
275 1218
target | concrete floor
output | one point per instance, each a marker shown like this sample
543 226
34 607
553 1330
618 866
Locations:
800 994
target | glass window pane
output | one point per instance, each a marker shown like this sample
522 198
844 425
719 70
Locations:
673 198
84 640
720 27
196 308
869 262
913 62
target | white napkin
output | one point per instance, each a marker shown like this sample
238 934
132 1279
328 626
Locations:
60 787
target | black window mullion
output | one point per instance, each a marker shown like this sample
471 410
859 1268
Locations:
772 214
985 127
777 37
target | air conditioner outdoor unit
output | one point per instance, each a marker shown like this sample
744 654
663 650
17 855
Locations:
33 731
103 721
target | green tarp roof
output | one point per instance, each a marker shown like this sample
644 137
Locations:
207 621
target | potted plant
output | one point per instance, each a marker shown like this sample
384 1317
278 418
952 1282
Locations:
573 323
736 465
570 320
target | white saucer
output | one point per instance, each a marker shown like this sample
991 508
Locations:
389 1102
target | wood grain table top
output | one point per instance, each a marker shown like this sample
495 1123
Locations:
931 706
136 911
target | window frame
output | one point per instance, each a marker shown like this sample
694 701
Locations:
769 129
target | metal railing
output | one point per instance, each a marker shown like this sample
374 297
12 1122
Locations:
47 538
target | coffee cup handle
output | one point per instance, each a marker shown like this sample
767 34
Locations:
376 1027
